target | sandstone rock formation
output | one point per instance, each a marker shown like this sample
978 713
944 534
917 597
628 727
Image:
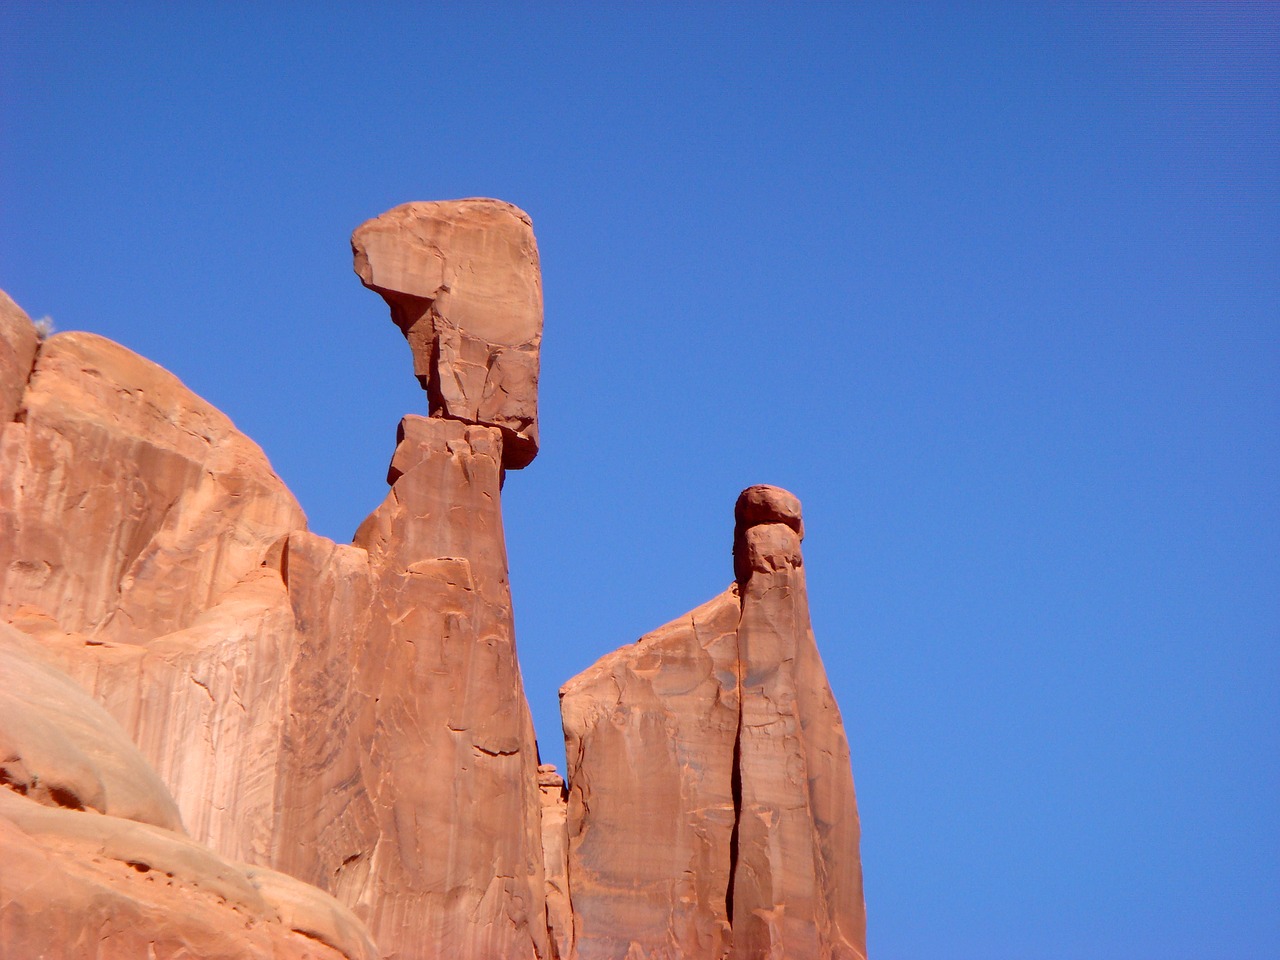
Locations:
18 342
95 862
438 836
134 520
342 729
711 810
351 714
649 739
464 285
555 860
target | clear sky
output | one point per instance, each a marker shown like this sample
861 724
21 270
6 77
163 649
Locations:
993 288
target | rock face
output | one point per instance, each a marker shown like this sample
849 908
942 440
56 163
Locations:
649 738
464 285
96 863
352 715
134 521
555 860
450 862
222 735
128 505
18 343
711 809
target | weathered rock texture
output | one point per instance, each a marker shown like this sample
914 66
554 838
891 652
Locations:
93 859
134 521
18 343
711 810
555 860
444 846
464 285
177 650
352 715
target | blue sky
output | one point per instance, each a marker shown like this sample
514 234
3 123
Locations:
993 288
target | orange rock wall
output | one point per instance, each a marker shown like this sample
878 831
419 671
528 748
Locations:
711 805
353 715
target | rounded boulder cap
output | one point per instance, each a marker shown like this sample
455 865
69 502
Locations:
763 503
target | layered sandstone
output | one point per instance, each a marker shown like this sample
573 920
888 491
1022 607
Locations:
463 283
134 522
711 809
349 720
95 861
352 715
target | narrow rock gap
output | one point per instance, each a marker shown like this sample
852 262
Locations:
20 414
735 784
735 774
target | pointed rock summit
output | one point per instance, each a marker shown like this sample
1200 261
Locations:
711 809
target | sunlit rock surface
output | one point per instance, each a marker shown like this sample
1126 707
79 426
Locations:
463 281
711 803
222 735
94 862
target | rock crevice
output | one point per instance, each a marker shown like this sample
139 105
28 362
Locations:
722 727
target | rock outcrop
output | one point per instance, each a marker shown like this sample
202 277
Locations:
711 810
222 735
134 522
555 860
352 715
433 741
463 283
95 861
18 342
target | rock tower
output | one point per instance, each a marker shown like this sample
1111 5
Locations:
222 735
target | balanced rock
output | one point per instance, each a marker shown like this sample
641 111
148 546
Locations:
796 889
463 283
352 715
342 729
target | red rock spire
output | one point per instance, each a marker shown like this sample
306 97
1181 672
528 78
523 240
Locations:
711 810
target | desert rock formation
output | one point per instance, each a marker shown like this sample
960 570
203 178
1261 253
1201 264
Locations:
463 283
222 735
711 810
95 860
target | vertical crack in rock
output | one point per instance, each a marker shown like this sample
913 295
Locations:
711 804
19 345
735 782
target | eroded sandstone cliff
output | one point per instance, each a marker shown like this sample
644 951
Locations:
711 810
191 681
